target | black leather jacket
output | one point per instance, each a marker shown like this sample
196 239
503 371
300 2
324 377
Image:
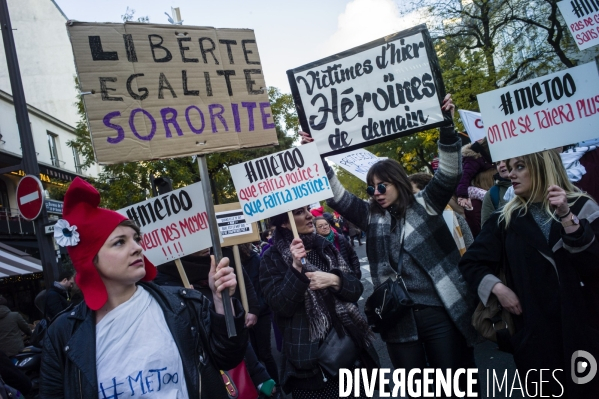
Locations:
69 359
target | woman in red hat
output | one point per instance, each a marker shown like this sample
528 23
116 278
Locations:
131 338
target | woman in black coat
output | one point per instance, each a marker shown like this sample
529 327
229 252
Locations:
545 240
311 299
131 337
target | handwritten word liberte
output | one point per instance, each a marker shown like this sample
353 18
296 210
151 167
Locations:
161 54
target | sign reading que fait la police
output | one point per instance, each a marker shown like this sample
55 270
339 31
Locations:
379 91
173 225
540 114
280 182
164 91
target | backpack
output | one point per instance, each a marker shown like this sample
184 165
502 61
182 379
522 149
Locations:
494 193
39 332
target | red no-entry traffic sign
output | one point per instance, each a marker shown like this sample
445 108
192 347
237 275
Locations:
30 197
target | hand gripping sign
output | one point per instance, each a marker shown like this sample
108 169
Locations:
280 182
380 91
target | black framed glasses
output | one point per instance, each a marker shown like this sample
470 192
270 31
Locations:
381 188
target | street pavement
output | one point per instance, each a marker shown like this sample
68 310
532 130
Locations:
488 358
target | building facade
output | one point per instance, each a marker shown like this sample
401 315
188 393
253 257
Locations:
48 73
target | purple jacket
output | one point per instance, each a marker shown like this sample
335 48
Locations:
472 164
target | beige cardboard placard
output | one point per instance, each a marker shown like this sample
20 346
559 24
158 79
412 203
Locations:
233 227
164 91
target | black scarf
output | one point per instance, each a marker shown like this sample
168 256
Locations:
325 310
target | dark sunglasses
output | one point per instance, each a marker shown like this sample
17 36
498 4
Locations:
382 188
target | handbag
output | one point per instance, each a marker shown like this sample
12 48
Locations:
389 301
39 333
238 383
336 353
492 321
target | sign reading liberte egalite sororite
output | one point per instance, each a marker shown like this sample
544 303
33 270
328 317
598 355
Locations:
165 91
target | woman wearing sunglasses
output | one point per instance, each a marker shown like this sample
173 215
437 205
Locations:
400 224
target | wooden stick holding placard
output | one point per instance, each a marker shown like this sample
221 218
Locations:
548 169
240 278
294 229
182 273
218 253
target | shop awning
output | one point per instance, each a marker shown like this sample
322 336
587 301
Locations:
14 262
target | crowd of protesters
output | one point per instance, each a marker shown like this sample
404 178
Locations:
521 230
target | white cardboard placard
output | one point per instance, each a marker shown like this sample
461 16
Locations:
173 225
582 17
379 91
232 224
356 162
473 123
280 182
543 113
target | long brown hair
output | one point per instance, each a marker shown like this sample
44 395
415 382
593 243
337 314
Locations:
391 171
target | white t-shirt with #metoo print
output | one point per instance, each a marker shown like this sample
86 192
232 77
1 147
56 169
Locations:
136 355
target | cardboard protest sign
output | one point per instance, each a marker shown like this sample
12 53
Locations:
173 225
582 17
163 91
379 91
280 182
233 227
541 114
356 162
474 124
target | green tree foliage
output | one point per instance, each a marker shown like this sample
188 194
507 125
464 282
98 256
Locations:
128 183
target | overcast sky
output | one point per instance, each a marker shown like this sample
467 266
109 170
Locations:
289 34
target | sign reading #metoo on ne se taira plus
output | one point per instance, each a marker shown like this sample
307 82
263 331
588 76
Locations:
544 113
164 91
173 225
379 91
280 182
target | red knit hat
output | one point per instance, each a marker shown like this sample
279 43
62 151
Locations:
83 230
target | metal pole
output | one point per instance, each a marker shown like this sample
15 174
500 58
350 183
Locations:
218 253
29 162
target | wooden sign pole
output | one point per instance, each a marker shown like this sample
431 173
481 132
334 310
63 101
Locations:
218 253
240 278
292 223
548 169
294 229
182 273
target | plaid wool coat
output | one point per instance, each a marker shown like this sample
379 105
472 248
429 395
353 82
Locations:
427 240
284 290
